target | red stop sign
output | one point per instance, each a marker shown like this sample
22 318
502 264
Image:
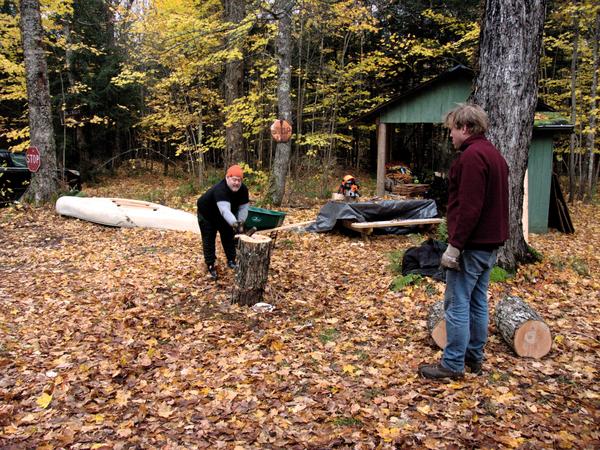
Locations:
32 155
281 130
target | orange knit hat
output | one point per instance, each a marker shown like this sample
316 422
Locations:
235 171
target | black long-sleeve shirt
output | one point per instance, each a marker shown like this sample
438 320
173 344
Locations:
220 192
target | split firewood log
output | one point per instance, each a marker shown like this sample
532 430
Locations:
436 324
522 328
253 259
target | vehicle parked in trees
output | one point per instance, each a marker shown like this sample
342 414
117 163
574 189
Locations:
15 176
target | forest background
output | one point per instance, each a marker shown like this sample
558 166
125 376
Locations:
194 83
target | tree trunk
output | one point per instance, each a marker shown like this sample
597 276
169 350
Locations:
44 183
591 136
522 328
573 106
506 88
299 89
69 57
253 258
436 324
284 101
234 78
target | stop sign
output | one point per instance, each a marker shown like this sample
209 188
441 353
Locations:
281 130
32 155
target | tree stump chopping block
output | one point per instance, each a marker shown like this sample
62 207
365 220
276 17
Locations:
522 328
436 324
253 259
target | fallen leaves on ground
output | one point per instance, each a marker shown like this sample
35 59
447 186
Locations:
116 338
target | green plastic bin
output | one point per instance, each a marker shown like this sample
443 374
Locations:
264 219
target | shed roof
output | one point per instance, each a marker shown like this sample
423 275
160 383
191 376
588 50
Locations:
427 103
458 78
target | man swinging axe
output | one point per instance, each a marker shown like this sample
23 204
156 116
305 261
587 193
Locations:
223 209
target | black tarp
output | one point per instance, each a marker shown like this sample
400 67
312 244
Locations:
425 260
374 211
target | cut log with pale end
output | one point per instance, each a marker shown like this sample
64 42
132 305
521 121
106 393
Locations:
436 324
253 259
522 328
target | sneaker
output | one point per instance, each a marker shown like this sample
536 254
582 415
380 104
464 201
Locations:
213 272
473 366
438 372
232 265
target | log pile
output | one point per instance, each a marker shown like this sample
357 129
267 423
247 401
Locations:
253 257
399 177
410 190
522 328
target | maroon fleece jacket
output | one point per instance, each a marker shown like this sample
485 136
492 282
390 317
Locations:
478 196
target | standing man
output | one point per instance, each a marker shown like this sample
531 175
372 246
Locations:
477 225
224 209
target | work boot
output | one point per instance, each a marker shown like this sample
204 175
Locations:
473 366
213 272
439 372
232 265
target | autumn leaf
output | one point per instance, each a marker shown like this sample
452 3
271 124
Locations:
566 439
424 409
591 395
122 398
145 360
349 369
510 441
389 434
431 444
276 345
164 411
124 432
43 401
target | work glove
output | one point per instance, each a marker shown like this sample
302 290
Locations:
450 258
238 227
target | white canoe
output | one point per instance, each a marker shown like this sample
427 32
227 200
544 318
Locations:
122 212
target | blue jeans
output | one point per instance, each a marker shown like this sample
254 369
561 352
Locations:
466 308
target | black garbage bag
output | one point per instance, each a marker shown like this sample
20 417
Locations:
425 260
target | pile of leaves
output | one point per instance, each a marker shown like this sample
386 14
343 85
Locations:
116 338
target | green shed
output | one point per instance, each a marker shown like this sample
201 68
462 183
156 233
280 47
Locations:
427 103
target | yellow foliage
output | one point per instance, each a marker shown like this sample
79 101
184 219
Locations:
43 401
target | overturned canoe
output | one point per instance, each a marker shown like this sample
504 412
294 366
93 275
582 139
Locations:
122 212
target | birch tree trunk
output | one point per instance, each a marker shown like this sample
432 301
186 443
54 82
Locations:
44 183
506 88
234 78
284 101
